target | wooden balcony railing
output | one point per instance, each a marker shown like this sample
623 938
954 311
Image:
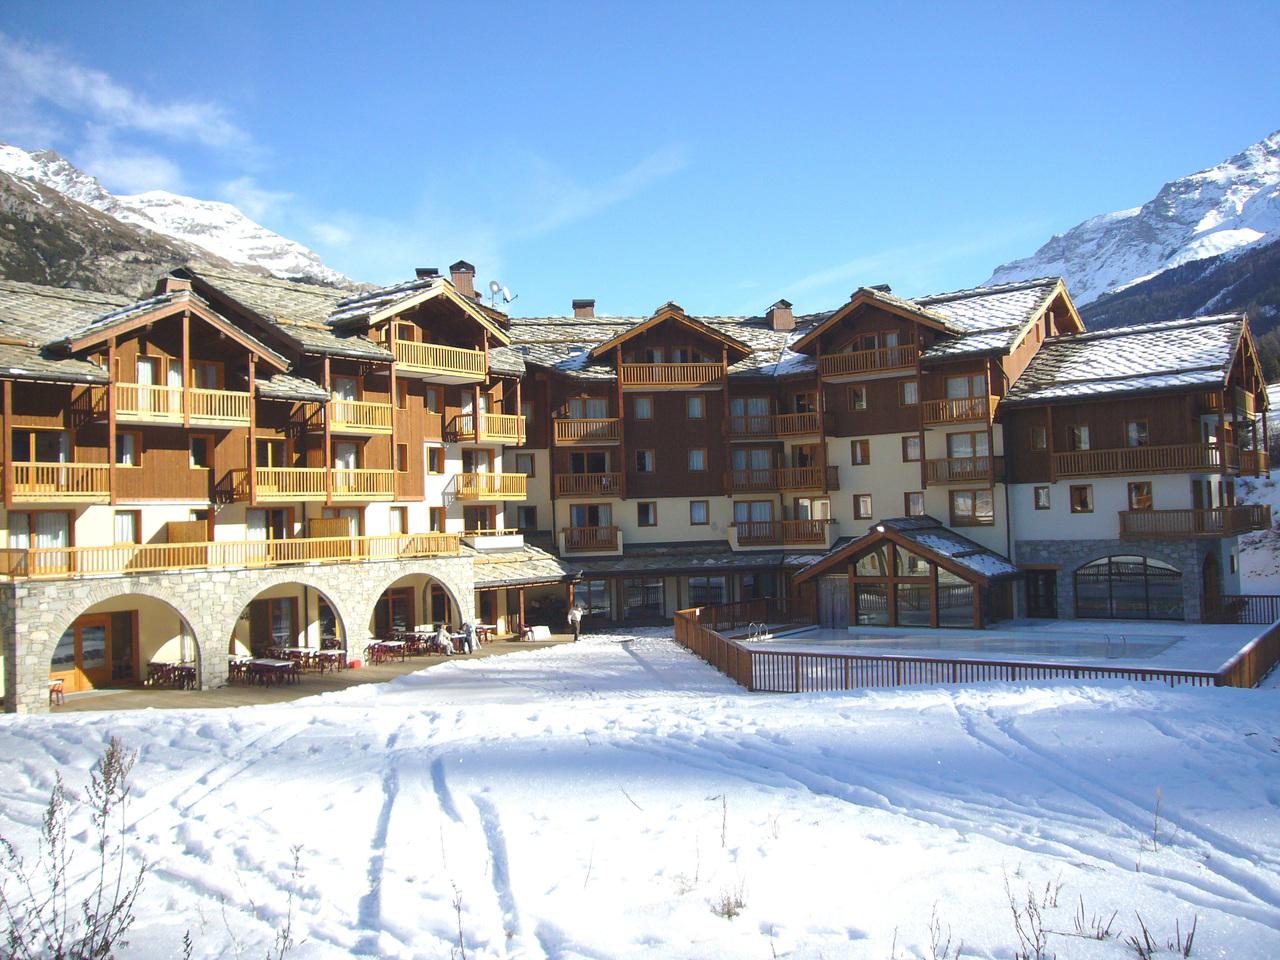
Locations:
957 410
490 486
455 363
219 406
1255 463
281 484
494 428
1176 524
65 482
594 430
1174 458
590 539
684 375
868 361
964 470
363 484
588 485
155 557
359 416
769 532
781 478
147 403
774 425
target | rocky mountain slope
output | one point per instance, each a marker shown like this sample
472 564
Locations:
1222 211
215 228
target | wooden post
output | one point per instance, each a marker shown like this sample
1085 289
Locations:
8 447
523 432
520 594
924 472
1048 443
328 452
395 407
112 373
622 424
253 433
475 410
724 418
186 368
934 603
991 443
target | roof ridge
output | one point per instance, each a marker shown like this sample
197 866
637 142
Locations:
1180 323
987 290
65 293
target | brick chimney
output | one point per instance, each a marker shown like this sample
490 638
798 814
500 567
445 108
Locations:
463 276
780 316
584 309
172 285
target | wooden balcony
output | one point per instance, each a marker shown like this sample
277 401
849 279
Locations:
594 431
957 410
490 486
432 361
964 470
361 417
777 479
862 363
363 485
218 408
672 376
281 484
591 539
1174 458
588 485
60 482
493 428
143 403
775 425
765 533
1179 524
1255 463
160 557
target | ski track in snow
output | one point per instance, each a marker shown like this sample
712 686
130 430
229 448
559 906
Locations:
594 800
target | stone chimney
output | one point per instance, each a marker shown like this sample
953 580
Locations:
584 309
780 316
426 273
172 285
463 276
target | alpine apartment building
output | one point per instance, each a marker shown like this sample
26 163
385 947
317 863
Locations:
241 462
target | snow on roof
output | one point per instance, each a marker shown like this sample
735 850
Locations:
930 536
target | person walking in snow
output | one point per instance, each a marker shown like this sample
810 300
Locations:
444 641
469 644
575 621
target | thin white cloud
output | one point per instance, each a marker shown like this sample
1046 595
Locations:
254 200
125 169
332 234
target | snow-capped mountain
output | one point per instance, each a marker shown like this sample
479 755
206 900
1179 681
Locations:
211 225
1224 209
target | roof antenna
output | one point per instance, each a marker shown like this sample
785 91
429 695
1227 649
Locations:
496 288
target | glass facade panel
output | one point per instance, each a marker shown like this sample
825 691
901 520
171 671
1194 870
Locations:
872 601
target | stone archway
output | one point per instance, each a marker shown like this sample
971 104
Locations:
406 603
304 609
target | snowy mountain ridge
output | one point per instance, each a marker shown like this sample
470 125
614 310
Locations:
1227 208
217 227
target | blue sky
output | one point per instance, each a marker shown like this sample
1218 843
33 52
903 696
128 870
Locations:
722 155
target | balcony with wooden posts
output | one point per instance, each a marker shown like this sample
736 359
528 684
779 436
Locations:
59 482
486 428
149 404
588 485
360 485
591 431
672 376
783 479
490 486
764 534
1255 463
590 540
363 418
1179 524
1171 458
125 558
280 484
964 470
864 363
766 426
937 413
438 363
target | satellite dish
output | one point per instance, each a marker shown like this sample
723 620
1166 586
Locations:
494 287
506 295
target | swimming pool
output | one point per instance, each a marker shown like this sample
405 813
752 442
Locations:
983 645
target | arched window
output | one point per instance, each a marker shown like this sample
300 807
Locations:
1129 588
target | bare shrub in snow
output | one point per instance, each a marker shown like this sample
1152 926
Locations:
36 901
1028 924
731 902
940 942
1093 926
1145 947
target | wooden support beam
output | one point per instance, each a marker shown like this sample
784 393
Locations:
186 368
8 447
328 451
622 421
253 434
724 418
112 375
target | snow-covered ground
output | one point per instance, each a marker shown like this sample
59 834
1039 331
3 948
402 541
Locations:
597 800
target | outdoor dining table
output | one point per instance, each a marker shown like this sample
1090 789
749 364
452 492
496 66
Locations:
394 647
485 632
270 671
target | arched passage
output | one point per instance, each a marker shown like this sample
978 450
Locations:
413 602
287 614
1128 588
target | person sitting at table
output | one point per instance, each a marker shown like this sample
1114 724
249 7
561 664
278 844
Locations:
443 641
469 644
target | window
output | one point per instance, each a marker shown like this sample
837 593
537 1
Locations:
862 506
698 459
42 530
644 461
435 460
432 399
1136 433
911 449
398 522
813 508
526 412
804 403
1082 498
128 449
1140 495
914 503
857 398
435 519
593 596
699 513
201 451
1041 498
128 526
480 518
647 514
908 394
752 511
642 408
860 452
402 457
524 464
1080 436
1234 565
276 524
40 446
206 375
1039 438
972 508
526 518
1129 588
960 388
588 462
642 597
707 591
695 407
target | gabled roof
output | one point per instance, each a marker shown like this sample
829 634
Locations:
879 298
930 539
377 306
32 316
672 312
1179 354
